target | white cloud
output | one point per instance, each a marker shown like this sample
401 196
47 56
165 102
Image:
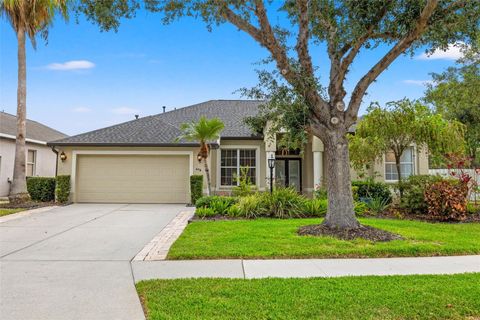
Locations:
453 52
81 110
418 82
124 110
71 65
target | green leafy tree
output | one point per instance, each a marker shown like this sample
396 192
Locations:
203 131
456 94
28 18
293 30
399 126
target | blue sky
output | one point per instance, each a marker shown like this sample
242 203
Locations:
84 79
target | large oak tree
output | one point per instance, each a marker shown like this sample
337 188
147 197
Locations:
346 27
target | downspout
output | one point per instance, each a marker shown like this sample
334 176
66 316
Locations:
56 162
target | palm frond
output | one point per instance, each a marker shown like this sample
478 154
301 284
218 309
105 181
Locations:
33 16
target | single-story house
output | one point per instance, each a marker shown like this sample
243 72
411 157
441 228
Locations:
41 159
140 161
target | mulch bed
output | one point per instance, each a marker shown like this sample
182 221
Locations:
404 215
27 205
363 232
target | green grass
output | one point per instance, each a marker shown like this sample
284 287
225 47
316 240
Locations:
386 297
274 238
6 212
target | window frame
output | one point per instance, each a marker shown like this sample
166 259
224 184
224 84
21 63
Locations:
33 164
237 148
412 162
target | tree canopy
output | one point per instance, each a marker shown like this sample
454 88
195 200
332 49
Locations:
397 127
456 94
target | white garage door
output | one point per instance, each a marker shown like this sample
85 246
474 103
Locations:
132 178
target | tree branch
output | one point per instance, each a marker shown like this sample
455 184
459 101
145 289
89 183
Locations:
380 66
303 37
337 79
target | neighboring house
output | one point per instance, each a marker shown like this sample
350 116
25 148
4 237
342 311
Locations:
141 161
41 160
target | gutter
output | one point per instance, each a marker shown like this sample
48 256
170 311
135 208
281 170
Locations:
139 145
9 136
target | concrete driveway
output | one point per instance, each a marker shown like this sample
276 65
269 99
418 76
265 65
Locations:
74 262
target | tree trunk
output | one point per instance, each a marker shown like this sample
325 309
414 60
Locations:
399 173
207 173
18 191
340 213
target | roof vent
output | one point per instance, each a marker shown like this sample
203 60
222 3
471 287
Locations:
164 109
136 116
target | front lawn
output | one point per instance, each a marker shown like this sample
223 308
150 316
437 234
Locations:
391 297
277 238
5 212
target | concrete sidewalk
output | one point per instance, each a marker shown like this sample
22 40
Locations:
303 268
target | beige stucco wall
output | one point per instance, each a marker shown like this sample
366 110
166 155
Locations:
421 165
44 167
65 167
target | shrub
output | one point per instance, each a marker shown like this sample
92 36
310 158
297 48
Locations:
320 193
376 205
41 188
285 203
414 189
315 207
251 206
447 200
245 186
472 208
360 208
355 193
372 190
204 212
221 204
234 211
211 201
196 187
62 188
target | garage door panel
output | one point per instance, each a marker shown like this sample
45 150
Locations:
133 178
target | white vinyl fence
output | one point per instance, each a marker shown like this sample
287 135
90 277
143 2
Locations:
474 196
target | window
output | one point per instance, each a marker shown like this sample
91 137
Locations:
406 165
31 162
231 162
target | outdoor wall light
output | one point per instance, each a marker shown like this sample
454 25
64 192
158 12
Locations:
63 156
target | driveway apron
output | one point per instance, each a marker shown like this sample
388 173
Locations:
73 262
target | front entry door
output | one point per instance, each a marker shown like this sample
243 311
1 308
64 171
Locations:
288 173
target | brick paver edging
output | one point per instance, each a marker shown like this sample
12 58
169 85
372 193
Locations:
157 249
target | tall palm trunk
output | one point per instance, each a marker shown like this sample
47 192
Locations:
207 173
18 191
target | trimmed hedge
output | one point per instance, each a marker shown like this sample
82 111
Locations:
41 188
196 187
62 189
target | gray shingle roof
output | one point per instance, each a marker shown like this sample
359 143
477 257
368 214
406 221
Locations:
163 128
35 130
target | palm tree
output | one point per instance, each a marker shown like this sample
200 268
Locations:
27 17
203 132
